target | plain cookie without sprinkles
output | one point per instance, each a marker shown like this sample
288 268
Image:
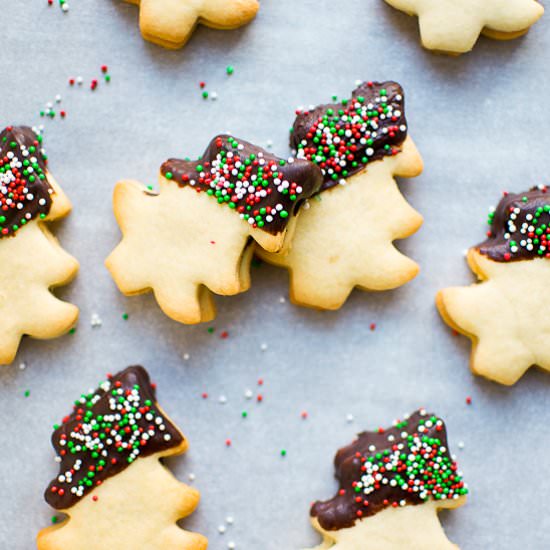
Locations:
453 26
170 23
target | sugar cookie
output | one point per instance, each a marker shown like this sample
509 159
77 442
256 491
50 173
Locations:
196 234
453 26
392 484
170 23
504 315
111 482
32 260
344 239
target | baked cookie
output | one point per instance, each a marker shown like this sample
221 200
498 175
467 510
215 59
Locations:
453 26
344 239
111 482
170 23
392 484
504 316
31 259
196 234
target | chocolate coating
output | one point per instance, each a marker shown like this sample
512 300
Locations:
107 430
265 190
386 453
24 188
520 227
342 138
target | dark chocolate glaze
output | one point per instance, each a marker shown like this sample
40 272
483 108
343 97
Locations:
520 227
266 192
85 442
351 504
377 124
24 188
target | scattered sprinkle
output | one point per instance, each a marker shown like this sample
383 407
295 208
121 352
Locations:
230 70
349 418
191 477
222 399
96 320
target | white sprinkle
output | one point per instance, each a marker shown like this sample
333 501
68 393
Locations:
213 96
221 529
58 98
263 347
229 520
186 357
191 477
231 545
22 366
461 444
79 80
96 320
248 394
269 143
65 7
349 418
223 399
282 300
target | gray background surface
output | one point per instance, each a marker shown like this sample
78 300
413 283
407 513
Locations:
480 123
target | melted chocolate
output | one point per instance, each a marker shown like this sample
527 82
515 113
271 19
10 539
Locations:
265 190
376 471
107 430
24 188
342 138
520 227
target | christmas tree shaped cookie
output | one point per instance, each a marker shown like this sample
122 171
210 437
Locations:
195 236
344 239
392 484
453 26
31 260
111 482
170 23
504 314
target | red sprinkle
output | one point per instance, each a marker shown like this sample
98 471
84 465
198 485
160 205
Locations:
228 442
373 326
468 400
